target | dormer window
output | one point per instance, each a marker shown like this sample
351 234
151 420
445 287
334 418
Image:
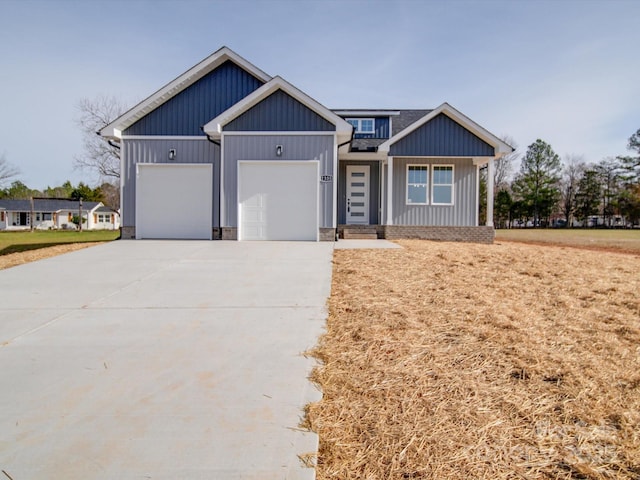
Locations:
363 125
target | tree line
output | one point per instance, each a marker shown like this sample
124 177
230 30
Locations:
548 192
106 193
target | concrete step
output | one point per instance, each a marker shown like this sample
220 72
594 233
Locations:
360 234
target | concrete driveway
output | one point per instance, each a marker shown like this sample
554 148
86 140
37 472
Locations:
161 360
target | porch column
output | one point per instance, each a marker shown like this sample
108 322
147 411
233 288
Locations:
490 172
390 191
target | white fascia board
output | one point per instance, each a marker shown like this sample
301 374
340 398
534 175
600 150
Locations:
214 127
363 156
213 61
501 148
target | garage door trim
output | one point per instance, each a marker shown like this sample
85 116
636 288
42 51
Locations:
316 189
203 229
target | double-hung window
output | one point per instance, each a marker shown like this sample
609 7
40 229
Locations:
363 125
417 181
425 189
442 188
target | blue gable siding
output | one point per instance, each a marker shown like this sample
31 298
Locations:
280 112
381 129
185 113
441 137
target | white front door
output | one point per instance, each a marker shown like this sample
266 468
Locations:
358 194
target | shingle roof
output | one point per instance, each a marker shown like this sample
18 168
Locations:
45 205
406 118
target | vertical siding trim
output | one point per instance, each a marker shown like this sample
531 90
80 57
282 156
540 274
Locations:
223 212
390 191
477 195
334 222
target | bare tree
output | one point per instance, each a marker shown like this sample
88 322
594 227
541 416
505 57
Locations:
7 171
574 167
99 156
504 166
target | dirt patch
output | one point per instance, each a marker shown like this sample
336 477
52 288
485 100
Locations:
458 361
13 259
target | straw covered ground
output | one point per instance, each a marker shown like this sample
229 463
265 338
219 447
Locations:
460 361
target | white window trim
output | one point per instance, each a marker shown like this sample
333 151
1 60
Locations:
358 127
453 182
423 165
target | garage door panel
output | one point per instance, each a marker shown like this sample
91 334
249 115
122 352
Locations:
174 201
278 200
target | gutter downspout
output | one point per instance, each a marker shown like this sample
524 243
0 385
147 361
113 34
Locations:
209 139
109 141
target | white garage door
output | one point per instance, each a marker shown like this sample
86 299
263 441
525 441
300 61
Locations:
174 201
278 200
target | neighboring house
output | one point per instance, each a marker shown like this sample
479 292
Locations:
227 151
53 214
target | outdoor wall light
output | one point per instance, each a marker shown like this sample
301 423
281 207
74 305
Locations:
278 150
172 154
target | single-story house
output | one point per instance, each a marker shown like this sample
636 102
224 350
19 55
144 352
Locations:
228 151
55 213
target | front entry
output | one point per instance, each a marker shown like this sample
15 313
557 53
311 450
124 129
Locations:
358 194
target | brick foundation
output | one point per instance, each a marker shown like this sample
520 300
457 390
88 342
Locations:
446 234
391 232
229 233
327 234
127 233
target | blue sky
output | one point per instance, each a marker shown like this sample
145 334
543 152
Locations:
564 71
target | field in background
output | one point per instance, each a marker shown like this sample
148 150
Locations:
458 361
615 240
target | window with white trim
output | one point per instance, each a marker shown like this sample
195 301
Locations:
417 181
363 125
442 185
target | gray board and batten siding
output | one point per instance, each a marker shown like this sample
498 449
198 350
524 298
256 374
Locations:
192 108
441 136
374 191
157 151
463 211
280 112
263 147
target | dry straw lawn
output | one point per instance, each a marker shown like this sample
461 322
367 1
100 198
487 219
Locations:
19 258
459 361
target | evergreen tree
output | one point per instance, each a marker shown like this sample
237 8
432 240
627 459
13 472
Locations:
537 183
588 196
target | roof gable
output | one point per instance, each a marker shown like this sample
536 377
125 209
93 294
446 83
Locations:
279 112
187 111
215 127
441 137
114 129
477 138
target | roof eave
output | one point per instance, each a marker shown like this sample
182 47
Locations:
114 129
501 148
214 127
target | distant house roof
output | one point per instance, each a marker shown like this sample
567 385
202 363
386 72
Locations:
105 209
46 205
